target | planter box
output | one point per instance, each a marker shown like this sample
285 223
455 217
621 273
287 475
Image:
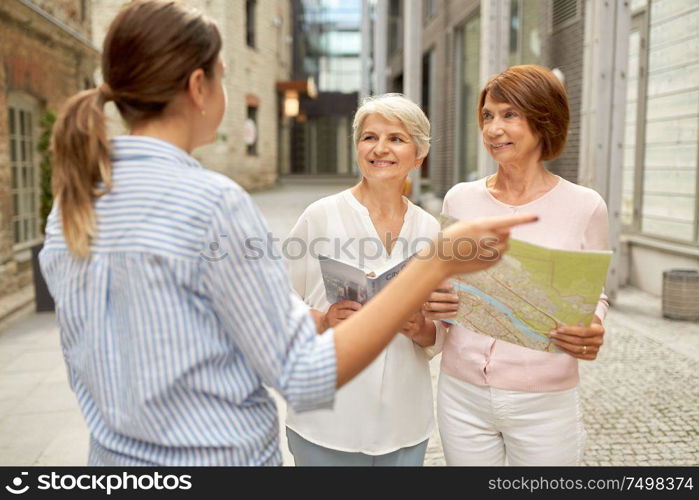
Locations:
44 301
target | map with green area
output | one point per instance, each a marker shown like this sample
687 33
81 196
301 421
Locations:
530 292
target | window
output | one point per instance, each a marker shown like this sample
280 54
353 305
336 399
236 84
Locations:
251 130
395 27
467 90
339 73
629 210
660 181
430 9
329 41
24 167
428 86
250 22
525 39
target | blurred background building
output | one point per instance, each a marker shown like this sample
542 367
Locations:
297 68
631 69
49 50
257 43
327 45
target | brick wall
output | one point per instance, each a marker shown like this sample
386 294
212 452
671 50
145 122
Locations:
41 60
73 13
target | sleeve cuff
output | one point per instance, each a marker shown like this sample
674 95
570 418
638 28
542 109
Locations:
440 335
316 379
602 307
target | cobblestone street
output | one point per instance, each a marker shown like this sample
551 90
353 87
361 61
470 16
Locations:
641 397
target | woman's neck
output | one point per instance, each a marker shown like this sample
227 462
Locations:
520 184
171 130
382 199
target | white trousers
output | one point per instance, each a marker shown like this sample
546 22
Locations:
488 426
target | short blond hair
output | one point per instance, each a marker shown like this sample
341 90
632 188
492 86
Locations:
394 106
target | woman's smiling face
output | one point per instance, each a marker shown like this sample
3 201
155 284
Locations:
507 135
385 149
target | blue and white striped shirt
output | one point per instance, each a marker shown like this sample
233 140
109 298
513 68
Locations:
169 328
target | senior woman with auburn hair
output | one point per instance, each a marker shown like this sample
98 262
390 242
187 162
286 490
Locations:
499 402
385 415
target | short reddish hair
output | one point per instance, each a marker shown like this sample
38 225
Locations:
540 96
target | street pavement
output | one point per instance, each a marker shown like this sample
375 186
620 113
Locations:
640 397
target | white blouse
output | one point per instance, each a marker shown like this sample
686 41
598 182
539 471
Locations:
389 404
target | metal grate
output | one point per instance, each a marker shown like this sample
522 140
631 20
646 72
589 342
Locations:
564 10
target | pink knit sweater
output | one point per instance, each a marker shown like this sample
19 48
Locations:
571 217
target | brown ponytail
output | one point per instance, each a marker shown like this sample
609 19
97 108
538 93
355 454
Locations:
81 160
151 49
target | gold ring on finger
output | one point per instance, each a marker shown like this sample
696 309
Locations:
584 350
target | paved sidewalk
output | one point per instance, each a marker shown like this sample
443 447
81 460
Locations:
641 397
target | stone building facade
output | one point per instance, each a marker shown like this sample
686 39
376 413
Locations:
46 55
251 77
257 54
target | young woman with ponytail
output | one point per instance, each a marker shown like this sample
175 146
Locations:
168 327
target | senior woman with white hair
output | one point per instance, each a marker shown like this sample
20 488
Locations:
385 415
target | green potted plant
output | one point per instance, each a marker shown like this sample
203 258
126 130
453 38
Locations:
44 301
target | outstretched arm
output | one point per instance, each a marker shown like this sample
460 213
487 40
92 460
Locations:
460 249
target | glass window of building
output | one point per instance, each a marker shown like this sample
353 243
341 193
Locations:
670 149
428 88
250 6
251 133
663 118
525 32
24 169
430 9
330 41
629 181
395 27
327 47
468 87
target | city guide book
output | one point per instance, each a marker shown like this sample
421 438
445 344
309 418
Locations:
531 291
345 281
